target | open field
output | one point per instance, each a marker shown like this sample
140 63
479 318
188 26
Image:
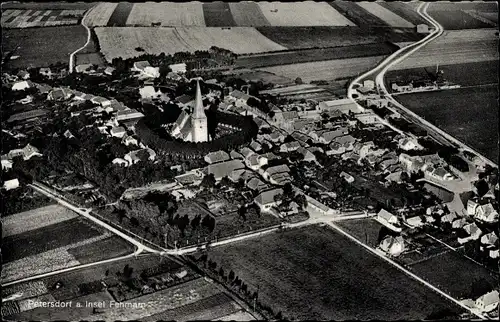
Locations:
247 14
237 316
46 238
326 70
315 273
453 273
480 73
386 15
356 14
218 14
405 11
90 58
167 13
34 50
13 18
488 6
120 15
265 77
35 219
209 308
365 230
311 55
455 47
469 114
121 42
491 16
110 247
49 5
307 13
452 16
99 16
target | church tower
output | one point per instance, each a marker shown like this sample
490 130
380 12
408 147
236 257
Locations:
199 119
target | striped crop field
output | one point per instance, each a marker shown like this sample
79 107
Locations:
356 14
248 14
120 15
386 15
99 15
218 14
167 13
305 13
121 42
405 11
20 18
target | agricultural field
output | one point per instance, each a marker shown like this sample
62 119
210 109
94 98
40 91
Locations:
458 20
109 247
307 13
356 14
317 274
455 47
16 18
121 42
169 14
264 77
451 111
464 5
405 11
464 15
311 55
59 5
386 15
35 219
247 14
120 15
365 230
218 14
100 14
454 274
34 48
480 73
326 70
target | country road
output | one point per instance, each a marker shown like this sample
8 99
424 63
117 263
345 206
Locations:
72 55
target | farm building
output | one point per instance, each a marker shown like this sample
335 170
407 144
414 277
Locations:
393 245
178 68
389 220
28 116
11 184
486 213
224 169
22 85
422 29
218 156
369 84
345 105
488 302
128 115
146 69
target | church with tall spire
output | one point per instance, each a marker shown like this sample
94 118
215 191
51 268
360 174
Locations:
192 127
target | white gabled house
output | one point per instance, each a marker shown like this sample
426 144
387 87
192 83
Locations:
488 302
389 220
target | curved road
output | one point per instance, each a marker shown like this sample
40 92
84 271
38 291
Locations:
72 55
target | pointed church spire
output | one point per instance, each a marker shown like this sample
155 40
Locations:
199 110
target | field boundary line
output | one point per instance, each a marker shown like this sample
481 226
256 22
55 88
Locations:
72 55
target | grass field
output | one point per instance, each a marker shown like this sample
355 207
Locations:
40 47
365 230
14 18
464 5
99 16
218 14
121 42
265 77
247 14
237 316
34 219
491 16
167 13
311 55
307 13
386 15
469 114
326 70
456 19
453 273
480 73
315 273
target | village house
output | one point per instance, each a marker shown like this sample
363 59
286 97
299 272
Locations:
459 223
235 155
471 207
486 213
489 239
242 174
109 70
345 105
335 149
22 85
377 102
120 161
409 144
128 115
133 156
27 152
224 169
415 221
488 302
290 146
118 132
266 199
278 175
178 68
255 146
218 156
346 141
347 177
472 231
129 140
59 94
256 184
24 75
389 220
308 155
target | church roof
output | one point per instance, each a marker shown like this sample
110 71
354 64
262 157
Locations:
199 110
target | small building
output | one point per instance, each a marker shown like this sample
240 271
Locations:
256 184
22 85
84 68
458 223
489 239
389 220
416 221
265 200
422 28
486 213
109 70
409 144
120 161
369 84
24 75
133 156
224 169
347 177
145 69
290 146
473 232
471 207
178 68
488 302
11 184
393 246
118 131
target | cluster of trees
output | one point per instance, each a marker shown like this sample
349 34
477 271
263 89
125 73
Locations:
190 150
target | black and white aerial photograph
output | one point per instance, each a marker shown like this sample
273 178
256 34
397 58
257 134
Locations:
249 160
